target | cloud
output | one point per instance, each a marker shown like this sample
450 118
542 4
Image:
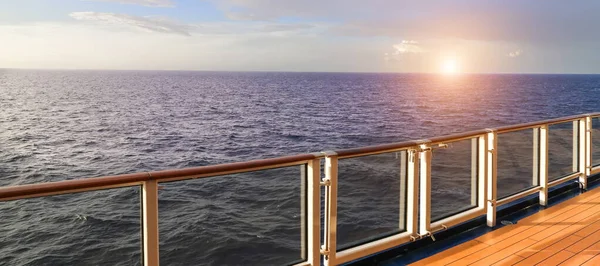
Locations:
150 3
516 53
403 48
145 23
239 46
85 45
493 20
407 47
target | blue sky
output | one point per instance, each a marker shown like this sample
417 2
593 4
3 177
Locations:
312 35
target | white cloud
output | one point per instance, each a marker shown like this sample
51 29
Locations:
494 20
72 45
250 46
150 3
165 25
402 49
407 47
516 53
145 23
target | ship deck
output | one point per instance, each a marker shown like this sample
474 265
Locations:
567 233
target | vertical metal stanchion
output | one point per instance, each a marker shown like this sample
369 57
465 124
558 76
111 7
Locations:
424 189
543 164
583 153
492 185
412 197
330 227
150 219
313 202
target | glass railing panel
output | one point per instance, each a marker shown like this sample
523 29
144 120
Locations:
595 141
89 228
253 218
515 162
371 198
453 178
562 150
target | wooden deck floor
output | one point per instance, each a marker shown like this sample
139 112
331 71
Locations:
565 234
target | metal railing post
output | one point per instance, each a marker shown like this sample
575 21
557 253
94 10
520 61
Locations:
330 225
576 146
402 191
313 218
150 220
535 177
492 164
412 193
474 171
482 172
543 164
583 153
424 189
588 146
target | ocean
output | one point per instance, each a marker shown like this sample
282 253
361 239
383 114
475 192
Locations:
60 125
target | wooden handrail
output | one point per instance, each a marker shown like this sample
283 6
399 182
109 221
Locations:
29 190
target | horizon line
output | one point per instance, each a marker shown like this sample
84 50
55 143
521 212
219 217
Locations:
298 71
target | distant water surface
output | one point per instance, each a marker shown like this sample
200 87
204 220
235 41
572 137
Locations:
58 125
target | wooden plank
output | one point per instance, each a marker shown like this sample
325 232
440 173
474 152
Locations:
584 255
541 255
557 258
453 254
588 230
584 243
571 224
558 232
501 254
496 236
495 248
510 260
593 262
498 247
559 239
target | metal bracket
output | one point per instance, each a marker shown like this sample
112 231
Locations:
424 149
580 185
329 153
325 182
492 202
414 238
430 148
324 252
431 235
412 155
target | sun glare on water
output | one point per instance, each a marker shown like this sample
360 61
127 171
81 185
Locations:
450 67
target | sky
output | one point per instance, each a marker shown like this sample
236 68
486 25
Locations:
472 36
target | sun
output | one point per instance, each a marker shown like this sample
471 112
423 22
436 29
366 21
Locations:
450 66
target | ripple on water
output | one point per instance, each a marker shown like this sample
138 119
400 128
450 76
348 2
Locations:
58 125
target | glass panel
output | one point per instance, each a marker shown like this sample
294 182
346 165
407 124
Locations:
89 228
250 218
515 162
453 178
562 158
371 198
596 141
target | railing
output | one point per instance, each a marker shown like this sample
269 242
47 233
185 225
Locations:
411 165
